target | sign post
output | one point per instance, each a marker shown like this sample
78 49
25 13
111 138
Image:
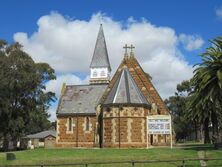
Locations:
147 133
159 124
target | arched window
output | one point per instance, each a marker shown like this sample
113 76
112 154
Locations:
70 124
94 74
102 73
87 123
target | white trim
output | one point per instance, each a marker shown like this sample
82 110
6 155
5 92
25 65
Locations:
171 133
147 133
67 125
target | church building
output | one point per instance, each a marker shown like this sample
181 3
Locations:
110 112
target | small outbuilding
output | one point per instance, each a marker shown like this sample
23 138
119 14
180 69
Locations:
44 139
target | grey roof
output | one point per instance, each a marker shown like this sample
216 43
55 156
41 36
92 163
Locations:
125 91
80 99
42 134
100 55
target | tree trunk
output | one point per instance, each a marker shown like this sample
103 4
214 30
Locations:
214 124
15 144
215 130
6 140
195 129
206 131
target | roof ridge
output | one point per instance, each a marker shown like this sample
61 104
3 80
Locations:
161 100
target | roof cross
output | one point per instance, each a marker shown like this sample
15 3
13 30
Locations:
131 48
126 47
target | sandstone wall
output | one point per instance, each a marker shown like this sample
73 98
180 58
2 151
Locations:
78 136
126 127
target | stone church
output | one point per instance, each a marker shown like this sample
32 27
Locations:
110 112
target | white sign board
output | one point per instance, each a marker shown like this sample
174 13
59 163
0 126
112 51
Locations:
159 124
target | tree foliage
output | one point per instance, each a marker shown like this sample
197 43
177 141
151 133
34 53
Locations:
178 105
23 99
206 102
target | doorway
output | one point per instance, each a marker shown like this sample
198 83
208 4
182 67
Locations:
151 139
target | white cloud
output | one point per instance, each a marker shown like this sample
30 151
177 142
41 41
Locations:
191 42
52 112
219 12
56 86
68 79
67 45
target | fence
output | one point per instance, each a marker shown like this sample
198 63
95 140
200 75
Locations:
182 162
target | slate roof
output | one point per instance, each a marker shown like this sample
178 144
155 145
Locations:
42 135
80 99
125 91
100 55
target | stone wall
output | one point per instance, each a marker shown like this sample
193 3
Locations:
78 135
126 127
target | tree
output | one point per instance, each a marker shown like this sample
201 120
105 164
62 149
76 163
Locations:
23 99
206 102
178 105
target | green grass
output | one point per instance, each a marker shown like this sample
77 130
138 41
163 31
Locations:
61 156
214 154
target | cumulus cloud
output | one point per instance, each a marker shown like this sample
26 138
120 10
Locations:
52 112
191 42
219 12
56 86
68 44
68 79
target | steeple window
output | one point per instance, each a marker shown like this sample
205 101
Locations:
102 74
95 74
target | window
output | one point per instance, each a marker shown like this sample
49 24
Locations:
94 74
70 124
103 73
87 123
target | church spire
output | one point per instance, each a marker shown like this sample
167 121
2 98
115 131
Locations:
100 65
100 56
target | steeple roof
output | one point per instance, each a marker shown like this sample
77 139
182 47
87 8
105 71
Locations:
100 55
125 91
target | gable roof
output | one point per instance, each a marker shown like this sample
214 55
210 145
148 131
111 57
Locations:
142 80
125 91
100 56
42 135
80 99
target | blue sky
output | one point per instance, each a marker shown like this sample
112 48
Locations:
187 16
167 43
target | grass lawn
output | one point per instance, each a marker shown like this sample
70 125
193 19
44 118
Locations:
58 156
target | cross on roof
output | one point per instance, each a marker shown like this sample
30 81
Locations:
126 47
131 48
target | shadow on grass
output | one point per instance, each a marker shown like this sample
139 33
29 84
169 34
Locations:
200 147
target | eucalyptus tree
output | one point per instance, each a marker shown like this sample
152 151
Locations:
23 99
178 104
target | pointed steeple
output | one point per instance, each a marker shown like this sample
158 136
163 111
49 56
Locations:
100 65
100 55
